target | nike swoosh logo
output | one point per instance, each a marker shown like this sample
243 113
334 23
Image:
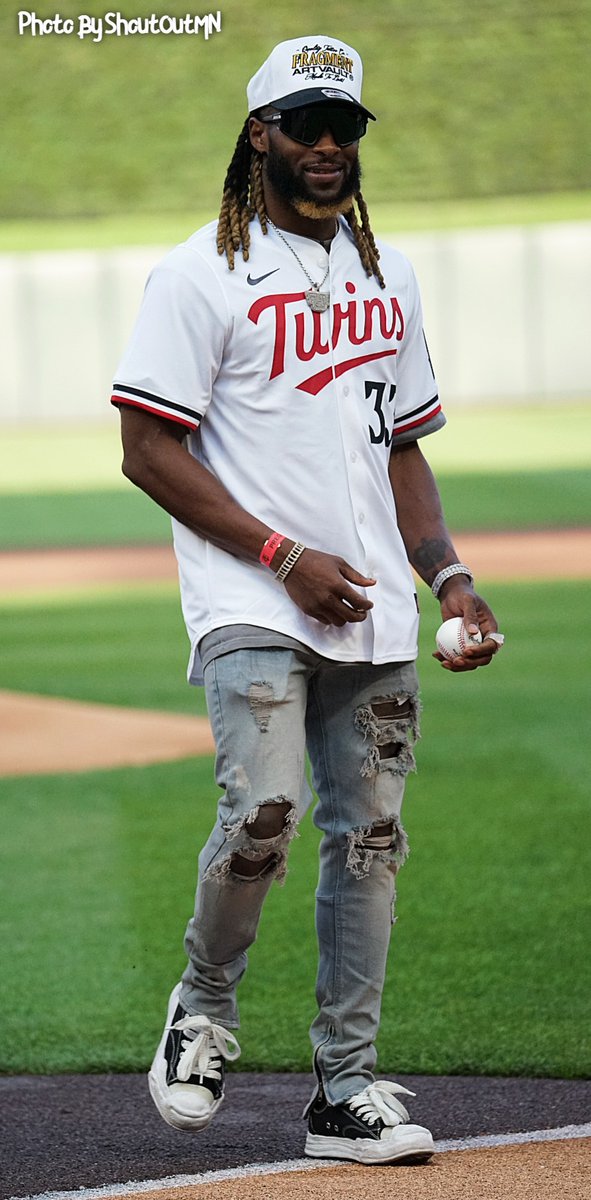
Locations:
253 282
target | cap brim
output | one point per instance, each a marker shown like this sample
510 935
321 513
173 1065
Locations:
318 96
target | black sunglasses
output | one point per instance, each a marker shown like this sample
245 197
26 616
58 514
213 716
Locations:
306 125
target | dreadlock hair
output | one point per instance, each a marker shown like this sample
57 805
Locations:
364 239
243 199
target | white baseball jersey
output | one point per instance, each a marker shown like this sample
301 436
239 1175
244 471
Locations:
295 412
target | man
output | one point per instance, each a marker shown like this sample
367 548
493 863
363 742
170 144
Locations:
271 400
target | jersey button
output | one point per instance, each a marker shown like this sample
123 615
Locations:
345 391
353 456
361 518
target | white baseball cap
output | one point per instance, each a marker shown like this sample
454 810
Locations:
308 70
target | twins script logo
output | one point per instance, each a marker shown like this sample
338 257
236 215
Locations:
354 324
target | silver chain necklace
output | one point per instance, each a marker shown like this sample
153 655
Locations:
315 299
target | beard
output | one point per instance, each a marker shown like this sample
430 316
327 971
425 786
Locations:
297 192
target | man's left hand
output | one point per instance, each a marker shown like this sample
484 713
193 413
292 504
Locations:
459 600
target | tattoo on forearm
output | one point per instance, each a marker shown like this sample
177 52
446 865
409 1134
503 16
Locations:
430 555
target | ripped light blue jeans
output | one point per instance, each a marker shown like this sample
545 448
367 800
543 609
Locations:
358 722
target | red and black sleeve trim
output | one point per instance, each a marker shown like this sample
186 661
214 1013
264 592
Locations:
418 416
124 394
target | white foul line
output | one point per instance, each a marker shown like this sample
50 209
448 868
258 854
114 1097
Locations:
490 1140
139 1187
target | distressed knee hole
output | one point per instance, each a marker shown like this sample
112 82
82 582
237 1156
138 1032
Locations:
270 821
385 841
396 712
391 724
262 837
253 868
391 708
380 838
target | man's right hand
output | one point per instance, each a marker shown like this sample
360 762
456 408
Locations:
156 461
319 585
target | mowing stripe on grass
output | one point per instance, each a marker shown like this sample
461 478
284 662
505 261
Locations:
499 499
172 1182
486 438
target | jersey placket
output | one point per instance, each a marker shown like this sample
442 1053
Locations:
354 452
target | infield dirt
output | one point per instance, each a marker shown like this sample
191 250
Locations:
538 554
531 1172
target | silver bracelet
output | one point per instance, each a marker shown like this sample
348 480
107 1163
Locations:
453 569
290 561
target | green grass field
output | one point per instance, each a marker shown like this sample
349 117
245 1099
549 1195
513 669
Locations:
495 500
485 439
497 468
488 970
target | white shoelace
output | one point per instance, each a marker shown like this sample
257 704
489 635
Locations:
378 1101
201 1054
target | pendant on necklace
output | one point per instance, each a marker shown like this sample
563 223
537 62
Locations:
316 300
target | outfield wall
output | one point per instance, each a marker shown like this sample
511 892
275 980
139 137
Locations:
507 315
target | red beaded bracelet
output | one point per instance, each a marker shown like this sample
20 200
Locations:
270 548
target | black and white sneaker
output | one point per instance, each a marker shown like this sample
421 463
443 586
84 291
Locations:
371 1127
187 1076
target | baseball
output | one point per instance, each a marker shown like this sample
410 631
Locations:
452 638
